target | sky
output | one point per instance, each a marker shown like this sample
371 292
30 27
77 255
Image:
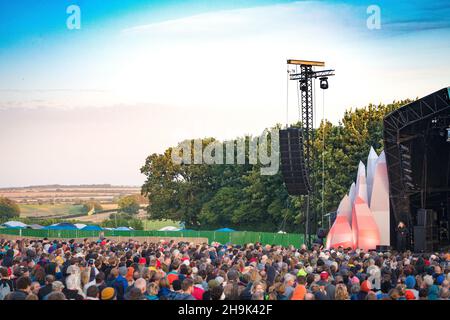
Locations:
88 105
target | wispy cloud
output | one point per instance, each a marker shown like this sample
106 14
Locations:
415 25
194 24
416 16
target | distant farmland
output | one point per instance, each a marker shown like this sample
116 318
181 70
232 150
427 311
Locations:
47 210
55 210
60 201
65 202
67 194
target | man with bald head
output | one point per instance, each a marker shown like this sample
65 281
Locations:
141 284
310 296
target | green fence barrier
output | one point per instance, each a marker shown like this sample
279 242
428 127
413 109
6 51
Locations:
237 237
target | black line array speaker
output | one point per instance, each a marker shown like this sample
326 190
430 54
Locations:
293 167
426 233
426 217
422 239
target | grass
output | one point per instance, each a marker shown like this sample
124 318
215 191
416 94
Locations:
158 224
35 210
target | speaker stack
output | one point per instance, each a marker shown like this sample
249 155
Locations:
426 235
293 167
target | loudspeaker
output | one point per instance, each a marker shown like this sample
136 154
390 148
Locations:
423 239
426 217
420 239
293 168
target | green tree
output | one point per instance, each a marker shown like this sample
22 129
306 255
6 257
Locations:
238 196
8 208
88 205
129 204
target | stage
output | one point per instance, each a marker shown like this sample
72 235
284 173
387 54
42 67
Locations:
417 147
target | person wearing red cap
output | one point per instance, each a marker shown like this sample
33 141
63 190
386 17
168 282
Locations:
326 283
409 295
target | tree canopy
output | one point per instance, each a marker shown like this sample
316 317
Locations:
88 205
129 204
238 196
8 208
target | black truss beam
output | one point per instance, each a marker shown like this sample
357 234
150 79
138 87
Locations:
311 74
397 125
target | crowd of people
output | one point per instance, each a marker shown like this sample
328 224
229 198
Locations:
169 270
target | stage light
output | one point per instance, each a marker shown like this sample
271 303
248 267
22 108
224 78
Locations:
448 134
323 83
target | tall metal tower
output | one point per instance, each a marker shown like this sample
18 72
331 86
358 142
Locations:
306 110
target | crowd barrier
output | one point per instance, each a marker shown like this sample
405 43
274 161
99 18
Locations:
237 237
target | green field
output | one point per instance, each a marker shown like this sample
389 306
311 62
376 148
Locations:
158 224
35 210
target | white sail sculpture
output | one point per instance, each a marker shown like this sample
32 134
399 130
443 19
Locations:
361 183
341 232
371 163
362 218
379 202
352 192
345 208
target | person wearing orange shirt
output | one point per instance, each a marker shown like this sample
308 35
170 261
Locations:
300 289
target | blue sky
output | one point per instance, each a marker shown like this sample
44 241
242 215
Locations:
21 21
166 71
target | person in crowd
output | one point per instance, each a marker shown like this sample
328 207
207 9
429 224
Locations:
300 290
6 284
72 290
233 289
92 293
119 283
137 290
341 292
47 288
56 295
23 289
289 281
152 291
329 287
108 293
198 288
